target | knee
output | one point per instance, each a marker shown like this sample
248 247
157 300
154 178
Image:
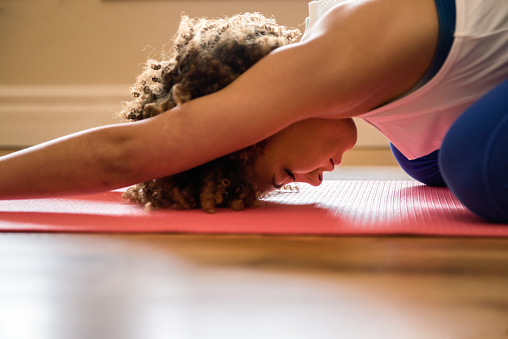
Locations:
476 183
474 161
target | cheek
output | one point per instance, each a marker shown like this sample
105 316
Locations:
265 166
343 136
351 134
311 156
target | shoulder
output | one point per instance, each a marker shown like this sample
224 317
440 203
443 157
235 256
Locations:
370 51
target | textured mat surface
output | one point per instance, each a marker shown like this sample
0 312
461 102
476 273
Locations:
352 207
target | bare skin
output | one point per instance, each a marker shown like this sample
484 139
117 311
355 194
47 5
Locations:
303 151
358 57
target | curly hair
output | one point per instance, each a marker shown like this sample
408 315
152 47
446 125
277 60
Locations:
207 55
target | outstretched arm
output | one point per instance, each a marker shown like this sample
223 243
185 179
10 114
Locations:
276 92
119 155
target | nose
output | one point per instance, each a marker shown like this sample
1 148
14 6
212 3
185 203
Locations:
314 178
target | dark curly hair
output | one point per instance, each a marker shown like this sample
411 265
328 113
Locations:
207 55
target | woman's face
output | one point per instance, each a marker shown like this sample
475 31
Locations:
303 151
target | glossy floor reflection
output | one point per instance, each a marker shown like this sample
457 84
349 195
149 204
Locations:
181 286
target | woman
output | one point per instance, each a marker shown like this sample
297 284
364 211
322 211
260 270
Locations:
428 74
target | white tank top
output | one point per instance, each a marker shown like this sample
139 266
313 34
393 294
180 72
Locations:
478 61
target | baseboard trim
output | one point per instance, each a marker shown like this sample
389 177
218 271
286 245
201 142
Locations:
34 114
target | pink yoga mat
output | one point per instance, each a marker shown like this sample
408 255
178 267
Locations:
352 207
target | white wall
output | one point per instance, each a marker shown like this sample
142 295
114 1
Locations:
66 65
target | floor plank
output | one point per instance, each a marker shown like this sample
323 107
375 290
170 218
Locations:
200 286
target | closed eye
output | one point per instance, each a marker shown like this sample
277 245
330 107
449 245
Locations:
291 175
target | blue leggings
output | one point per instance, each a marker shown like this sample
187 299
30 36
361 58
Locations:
473 160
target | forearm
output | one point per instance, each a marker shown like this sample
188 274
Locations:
87 162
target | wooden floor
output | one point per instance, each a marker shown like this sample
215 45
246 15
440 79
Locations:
155 286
